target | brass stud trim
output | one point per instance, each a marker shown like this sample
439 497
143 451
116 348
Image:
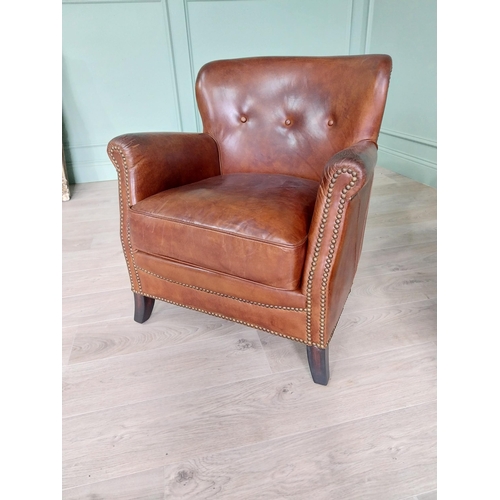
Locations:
128 242
219 294
251 325
329 260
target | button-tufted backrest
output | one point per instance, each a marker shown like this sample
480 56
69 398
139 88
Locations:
289 115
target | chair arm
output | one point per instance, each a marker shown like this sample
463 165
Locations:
336 236
148 163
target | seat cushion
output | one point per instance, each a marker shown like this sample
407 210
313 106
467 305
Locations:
253 226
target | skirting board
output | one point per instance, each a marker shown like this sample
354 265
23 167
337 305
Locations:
91 172
415 168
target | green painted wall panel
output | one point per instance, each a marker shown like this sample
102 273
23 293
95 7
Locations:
222 29
407 30
244 28
426 152
359 23
117 78
130 65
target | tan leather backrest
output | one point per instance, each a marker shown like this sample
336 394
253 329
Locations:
289 115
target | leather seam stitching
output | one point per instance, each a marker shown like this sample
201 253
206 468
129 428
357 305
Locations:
235 235
127 189
328 263
206 290
204 268
251 325
307 309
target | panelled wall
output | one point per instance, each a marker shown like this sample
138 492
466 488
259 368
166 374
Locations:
130 66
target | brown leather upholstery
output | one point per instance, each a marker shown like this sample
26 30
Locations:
219 222
290 115
259 219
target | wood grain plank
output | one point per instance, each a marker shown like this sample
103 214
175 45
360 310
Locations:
93 258
386 201
91 228
380 178
401 203
397 177
109 239
68 336
397 217
114 442
93 307
76 244
380 238
147 485
128 379
94 190
168 326
393 189
95 280
101 210
374 330
431 495
370 292
89 198
372 458
404 258
401 179
360 333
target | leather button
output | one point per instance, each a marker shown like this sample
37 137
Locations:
330 122
288 121
243 119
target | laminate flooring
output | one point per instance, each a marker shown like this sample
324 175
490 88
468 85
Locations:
192 406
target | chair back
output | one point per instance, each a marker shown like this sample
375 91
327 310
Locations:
289 115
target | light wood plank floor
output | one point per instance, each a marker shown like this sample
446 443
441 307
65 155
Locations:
192 406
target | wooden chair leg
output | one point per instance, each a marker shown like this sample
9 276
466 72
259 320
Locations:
318 364
143 307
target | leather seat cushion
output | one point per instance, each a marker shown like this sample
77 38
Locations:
253 226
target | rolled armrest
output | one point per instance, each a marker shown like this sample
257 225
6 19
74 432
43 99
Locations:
152 162
335 237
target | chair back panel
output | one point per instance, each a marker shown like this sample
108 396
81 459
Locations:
289 115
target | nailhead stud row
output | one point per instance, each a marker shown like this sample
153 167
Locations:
329 260
317 248
206 290
115 163
251 325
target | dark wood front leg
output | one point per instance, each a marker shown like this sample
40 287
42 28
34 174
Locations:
143 307
318 364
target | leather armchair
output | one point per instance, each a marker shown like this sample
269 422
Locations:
259 219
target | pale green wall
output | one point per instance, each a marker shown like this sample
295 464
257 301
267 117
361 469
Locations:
131 65
407 30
